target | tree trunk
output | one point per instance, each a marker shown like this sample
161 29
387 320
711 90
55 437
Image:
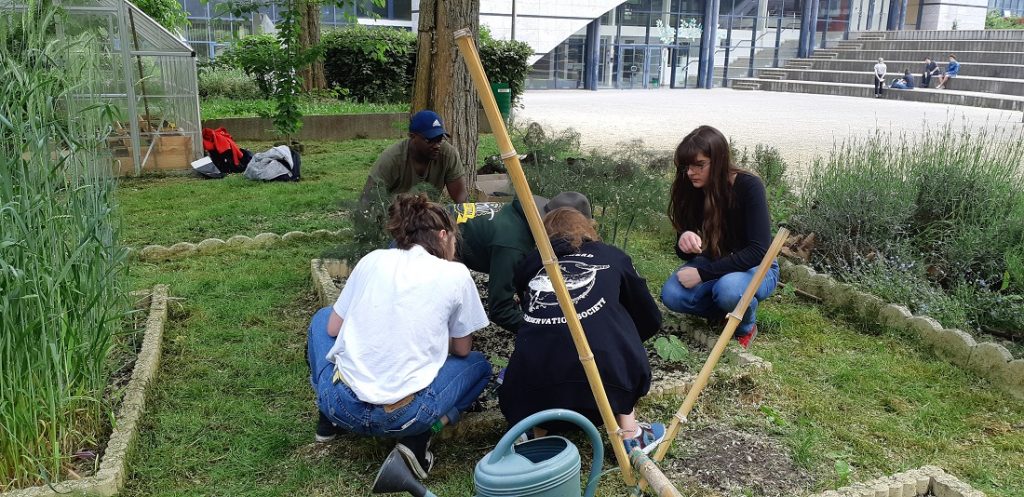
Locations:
312 75
442 81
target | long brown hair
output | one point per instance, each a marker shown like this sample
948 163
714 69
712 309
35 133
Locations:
717 192
415 220
571 225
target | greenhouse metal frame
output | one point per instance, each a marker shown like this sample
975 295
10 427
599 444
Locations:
152 83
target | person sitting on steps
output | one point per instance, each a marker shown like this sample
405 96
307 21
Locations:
393 357
906 82
952 71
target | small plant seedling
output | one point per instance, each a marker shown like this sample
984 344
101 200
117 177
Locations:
671 349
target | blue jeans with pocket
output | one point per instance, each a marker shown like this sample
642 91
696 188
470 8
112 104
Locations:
716 298
459 382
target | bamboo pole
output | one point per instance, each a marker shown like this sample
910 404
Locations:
464 38
734 319
650 473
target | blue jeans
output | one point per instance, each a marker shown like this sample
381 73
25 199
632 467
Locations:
714 299
459 382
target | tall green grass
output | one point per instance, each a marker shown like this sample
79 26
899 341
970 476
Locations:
945 209
61 294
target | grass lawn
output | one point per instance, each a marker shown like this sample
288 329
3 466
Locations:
232 412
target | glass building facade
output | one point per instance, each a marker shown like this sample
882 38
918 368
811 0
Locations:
657 43
212 28
1010 7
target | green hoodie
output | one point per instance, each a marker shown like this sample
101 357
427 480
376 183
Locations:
494 246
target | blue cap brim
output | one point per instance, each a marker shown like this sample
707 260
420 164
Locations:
432 133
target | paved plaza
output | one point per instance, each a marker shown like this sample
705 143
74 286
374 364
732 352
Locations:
800 125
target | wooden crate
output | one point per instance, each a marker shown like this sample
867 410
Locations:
171 153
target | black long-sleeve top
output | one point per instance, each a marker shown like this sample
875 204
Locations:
746 235
618 314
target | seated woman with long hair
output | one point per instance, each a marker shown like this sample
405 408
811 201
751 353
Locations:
618 314
720 214
392 357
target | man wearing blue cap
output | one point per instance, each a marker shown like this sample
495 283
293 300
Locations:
424 156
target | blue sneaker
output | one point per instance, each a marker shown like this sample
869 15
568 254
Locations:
651 434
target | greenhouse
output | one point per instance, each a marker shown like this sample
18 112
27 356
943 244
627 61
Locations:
149 82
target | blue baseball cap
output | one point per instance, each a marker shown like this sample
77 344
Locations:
427 124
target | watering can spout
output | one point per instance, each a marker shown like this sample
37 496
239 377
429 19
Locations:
544 467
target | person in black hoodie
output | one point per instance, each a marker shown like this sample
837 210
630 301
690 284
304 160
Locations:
618 314
495 244
720 214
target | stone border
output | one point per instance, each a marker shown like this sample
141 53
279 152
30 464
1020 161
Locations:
214 245
927 480
987 359
113 468
323 272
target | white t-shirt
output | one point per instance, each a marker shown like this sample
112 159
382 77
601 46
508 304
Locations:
880 69
399 308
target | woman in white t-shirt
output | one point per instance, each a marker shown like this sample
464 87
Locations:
401 365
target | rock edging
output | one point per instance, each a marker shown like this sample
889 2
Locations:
214 245
113 468
987 359
927 480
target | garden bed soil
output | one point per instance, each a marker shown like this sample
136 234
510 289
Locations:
729 462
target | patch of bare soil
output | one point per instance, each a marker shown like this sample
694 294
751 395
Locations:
733 463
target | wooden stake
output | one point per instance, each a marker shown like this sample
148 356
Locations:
464 38
734 319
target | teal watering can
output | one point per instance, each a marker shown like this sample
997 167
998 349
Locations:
543 467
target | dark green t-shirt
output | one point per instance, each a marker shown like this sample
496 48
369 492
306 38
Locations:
395 172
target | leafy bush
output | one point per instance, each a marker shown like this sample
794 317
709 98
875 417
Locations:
995 20
949 204
228 83
505 61
372 64
627 188
166 12
259 56
768 164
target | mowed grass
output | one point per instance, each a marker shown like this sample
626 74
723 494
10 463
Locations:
183 208
232 412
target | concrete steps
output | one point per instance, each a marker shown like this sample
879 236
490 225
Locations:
991 75
963 83
745 84
988 34
965 57
940 46
948 97
1004 71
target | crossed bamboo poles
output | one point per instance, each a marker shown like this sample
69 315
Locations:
645 466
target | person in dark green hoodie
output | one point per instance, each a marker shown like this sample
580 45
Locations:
495 244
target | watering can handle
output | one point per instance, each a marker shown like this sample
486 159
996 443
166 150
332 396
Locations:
504 446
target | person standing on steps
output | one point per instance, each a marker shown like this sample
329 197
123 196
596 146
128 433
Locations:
720 213
879 75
